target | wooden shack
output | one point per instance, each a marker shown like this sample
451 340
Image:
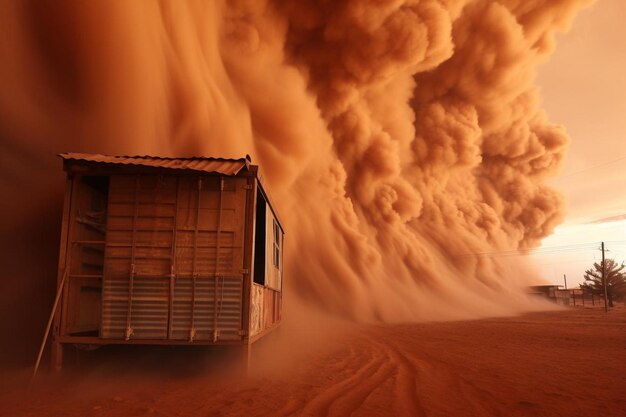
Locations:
176 251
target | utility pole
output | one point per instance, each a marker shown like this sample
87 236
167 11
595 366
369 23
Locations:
606 305
565 279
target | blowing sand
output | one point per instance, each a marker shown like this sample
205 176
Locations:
559 363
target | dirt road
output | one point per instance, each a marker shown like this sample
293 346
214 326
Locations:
565 363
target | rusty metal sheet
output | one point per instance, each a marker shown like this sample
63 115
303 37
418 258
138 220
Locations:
256 309
265 308
222 166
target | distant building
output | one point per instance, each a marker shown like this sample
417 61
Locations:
566 297
551 292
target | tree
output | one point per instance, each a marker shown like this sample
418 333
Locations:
615 280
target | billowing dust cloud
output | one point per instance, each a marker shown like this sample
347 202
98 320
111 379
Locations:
397 136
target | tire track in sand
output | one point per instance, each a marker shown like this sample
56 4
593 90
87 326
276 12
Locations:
405 382
414 379
433 375
346 396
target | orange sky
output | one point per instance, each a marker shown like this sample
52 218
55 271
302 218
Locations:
584 88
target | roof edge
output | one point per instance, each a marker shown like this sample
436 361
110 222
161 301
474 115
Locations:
225 166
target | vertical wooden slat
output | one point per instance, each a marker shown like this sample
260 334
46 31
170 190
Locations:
129 330
217 259
194 270
170 311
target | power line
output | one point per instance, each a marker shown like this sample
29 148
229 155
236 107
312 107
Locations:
524 252
549 250
577 261
575 247
589 168
616 242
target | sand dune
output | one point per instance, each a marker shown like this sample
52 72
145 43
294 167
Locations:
560 363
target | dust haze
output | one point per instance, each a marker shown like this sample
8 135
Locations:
397 136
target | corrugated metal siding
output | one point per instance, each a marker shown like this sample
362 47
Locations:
229 294
222 166
182 288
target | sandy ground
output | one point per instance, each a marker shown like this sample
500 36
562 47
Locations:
563 363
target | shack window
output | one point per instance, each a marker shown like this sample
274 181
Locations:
259 239
276 245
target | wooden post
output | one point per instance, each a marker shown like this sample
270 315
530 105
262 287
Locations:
248 254
65 261
56 354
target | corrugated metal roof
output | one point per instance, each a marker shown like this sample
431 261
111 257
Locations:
222 166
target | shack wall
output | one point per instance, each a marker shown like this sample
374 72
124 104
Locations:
174 258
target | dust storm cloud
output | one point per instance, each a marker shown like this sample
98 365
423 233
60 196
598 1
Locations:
395 135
